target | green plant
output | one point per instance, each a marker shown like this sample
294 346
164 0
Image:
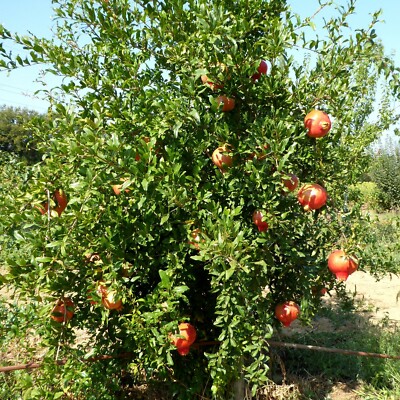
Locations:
375 377
131 71
367 193
385 173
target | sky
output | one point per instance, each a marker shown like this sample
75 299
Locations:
17 88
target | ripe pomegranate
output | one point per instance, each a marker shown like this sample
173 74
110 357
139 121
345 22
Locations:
228 103
117 188
319 291
260 153
195 234
63 311
258 221
43 208
287 312
214 86
312 196
110 300
223 70
61 201
183 343
101 291
317 123
291 183
221 158
341 264
261 70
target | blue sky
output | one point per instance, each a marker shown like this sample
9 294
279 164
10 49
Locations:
17 88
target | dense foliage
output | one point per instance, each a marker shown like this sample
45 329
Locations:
135 111
16 136
385 173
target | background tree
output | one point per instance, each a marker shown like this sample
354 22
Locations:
385 173
137 113
15 134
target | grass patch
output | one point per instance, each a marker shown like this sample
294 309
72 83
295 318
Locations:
318 374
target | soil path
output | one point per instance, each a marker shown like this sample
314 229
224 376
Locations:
379 296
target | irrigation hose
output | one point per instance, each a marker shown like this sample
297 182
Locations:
34 365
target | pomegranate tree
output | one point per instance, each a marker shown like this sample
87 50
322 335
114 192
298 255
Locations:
133 103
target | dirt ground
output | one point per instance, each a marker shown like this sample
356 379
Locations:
381 296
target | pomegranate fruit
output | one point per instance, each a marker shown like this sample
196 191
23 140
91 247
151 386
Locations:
261 70
195 234
43 208
225 103
214 86
63 311
188 337
318 123
117 188
312 196
258 221
319 291
61 201
341 264
291 183
221 158
111 301
287 312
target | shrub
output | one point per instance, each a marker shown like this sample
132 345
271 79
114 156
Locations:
385 173
367 193
176 242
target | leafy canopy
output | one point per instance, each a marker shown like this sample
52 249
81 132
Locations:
132 110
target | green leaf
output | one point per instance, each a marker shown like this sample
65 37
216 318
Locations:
229 273
164 219
165 281
44 259
180 289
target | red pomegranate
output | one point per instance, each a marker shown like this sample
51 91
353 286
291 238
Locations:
221 157
258 221
312 196
341 264
63 311
195 234
319 291
261 70
225 103
183 344
287 312
318 123
61 200
214 86
292 182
